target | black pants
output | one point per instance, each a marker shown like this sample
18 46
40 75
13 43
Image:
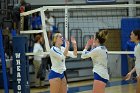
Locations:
48 62
65 76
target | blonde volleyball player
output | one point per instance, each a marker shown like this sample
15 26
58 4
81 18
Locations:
99 57
58 54
135 37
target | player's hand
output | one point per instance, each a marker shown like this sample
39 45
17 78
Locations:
128 76
67 43
89 43
73 40
93 45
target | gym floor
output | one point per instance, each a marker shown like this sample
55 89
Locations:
116 85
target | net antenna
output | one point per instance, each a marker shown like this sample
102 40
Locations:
66 20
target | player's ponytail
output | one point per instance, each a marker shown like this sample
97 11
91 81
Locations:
102 36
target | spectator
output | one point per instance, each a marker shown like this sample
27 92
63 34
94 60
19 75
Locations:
23 6
33 21
38 21
131 59
38 59
49 24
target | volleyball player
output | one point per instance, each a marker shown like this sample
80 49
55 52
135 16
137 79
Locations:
58 54
135 37
99 57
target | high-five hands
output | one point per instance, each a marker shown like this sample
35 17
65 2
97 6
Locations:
73 40
67 43
74 43
89 43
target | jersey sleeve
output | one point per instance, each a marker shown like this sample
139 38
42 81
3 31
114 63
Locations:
70 54
87 54
55 53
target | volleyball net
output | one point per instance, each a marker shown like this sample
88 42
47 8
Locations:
84 21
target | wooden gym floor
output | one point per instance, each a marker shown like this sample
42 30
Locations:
114 86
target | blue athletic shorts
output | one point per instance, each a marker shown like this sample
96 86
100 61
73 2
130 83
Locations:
54 74
98 77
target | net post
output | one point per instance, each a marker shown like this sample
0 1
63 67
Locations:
3 64
44 30
66 22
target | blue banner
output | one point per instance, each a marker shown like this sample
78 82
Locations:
20 65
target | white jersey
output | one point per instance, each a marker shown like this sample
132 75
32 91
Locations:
58 59
51 22
137 55
38 49
99 58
